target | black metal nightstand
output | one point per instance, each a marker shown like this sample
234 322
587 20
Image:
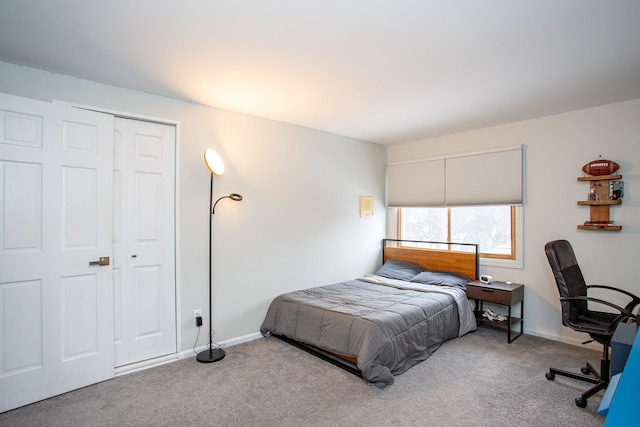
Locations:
502 293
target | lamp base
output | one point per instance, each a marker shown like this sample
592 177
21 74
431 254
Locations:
210 355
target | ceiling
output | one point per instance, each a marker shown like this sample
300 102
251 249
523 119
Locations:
378 70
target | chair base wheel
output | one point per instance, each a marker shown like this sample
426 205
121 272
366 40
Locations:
581 402
595 379
585 370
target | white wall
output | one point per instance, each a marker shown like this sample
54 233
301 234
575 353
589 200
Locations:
556 148
298 225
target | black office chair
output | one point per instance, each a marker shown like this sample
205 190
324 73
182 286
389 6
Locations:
577 315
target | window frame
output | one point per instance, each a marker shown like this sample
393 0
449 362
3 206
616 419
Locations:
487 257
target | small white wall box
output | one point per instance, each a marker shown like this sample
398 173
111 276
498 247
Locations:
366 207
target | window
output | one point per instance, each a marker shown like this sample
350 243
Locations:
492 227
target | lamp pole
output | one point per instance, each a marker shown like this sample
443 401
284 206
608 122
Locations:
216 166
211 354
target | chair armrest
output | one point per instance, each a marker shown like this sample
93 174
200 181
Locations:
611 288
624 311
634 299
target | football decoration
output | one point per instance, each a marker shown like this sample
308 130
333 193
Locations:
600 167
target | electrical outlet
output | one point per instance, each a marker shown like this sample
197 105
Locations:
197 313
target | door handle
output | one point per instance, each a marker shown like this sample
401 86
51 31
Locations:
104 260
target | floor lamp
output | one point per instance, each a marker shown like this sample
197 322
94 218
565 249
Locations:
216 166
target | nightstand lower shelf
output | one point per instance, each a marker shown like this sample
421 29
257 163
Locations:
509 324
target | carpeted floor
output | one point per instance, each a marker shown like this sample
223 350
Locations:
476 380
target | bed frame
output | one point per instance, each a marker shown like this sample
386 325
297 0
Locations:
443 256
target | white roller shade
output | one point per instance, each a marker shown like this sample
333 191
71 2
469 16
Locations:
481 178
415 184
489 178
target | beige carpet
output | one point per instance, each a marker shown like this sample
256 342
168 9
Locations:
476 380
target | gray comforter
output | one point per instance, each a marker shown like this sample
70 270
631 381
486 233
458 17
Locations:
387 325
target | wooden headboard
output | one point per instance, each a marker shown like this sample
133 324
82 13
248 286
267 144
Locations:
444 256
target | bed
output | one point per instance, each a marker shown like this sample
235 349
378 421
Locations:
381 324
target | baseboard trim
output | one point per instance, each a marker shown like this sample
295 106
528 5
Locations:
184 354
152 363
563 339
145 364
228 343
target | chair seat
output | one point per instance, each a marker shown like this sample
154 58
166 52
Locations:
599 325
597 320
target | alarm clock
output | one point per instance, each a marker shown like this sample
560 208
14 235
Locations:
485 278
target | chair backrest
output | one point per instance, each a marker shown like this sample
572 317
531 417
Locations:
569 279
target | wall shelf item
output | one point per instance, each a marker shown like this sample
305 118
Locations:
599 218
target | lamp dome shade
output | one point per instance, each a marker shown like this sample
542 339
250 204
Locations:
214 161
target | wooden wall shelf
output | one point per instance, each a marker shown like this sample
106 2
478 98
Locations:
599 202
600 227
599 178
599 209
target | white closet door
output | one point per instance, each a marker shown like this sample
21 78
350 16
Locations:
56 217
144 241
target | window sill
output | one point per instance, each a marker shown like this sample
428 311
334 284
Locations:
503 263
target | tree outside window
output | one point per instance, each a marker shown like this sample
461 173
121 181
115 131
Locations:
491 227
